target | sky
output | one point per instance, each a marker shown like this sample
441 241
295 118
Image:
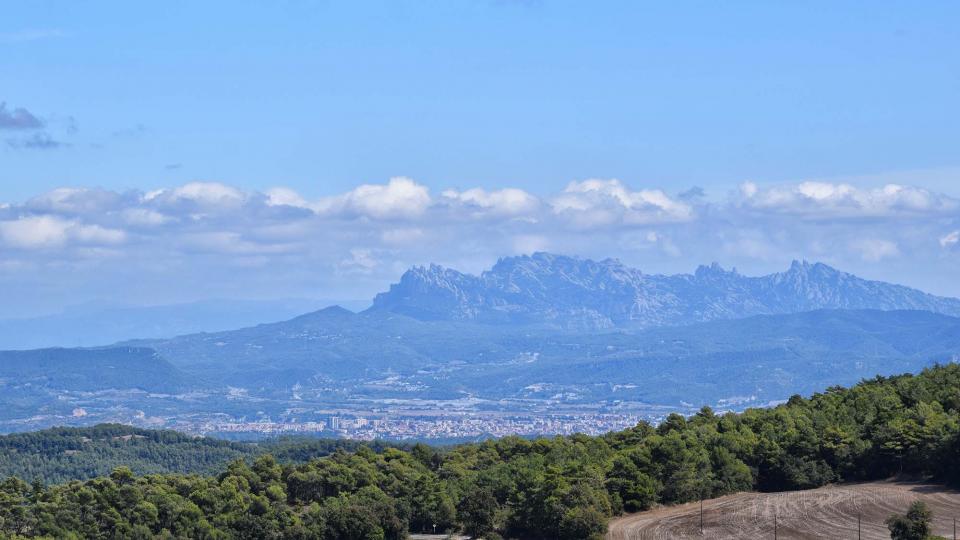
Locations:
182 150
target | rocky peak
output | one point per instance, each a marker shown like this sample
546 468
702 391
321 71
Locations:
577 292
714 271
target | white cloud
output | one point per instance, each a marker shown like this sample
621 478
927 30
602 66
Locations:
95 234
35 232
39 232
950 239
285 197
399 198
208 234
208 194
68 200
837 200
502 202
144 217
598 203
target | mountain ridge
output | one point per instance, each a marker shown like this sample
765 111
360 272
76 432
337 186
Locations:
701 362
578 293
532 334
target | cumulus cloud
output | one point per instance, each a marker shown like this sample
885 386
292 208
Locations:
502 202
210 194
39 232
95 234
34 231
598 203
208 234
837 200
399 198
69 200
286 197
144 217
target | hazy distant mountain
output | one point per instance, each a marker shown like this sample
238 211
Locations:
579 293
581 334
387 355
90 325
596 312
89 370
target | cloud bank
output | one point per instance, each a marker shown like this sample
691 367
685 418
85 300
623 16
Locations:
222 240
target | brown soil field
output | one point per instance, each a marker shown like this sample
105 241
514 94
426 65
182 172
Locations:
827 512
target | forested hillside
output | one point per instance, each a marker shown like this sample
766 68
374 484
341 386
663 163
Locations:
63 454
565 487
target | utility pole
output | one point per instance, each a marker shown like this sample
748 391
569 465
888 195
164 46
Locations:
774 526
701 517
858 526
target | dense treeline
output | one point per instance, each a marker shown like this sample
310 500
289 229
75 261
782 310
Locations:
62 454
565 487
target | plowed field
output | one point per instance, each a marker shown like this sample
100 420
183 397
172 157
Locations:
828 512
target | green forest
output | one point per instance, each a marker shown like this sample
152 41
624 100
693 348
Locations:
62 454
548 488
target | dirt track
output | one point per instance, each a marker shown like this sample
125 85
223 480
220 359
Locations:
828 512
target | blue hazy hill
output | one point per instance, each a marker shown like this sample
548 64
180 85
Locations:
545 328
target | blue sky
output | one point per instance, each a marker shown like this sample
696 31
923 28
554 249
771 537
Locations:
322 97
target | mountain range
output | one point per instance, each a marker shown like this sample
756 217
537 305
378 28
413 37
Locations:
549 321
576 293
538 332
380 355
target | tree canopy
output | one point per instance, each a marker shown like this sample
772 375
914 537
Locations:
547 488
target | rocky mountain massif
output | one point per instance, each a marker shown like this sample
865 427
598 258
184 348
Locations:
538 333
546 326
574 293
